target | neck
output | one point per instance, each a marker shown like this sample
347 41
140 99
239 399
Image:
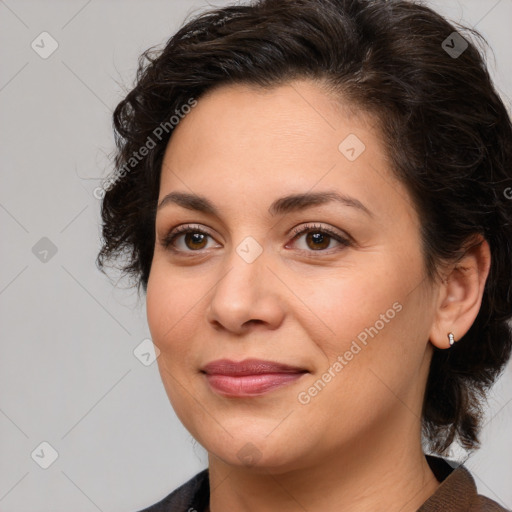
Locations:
388 474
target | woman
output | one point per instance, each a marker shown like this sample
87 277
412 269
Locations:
313 196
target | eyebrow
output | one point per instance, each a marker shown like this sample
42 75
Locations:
286 204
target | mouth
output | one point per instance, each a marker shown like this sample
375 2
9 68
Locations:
252 377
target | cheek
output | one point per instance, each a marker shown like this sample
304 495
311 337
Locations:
364 383
349 306
175 307
170 316
377 330
158 308
172 303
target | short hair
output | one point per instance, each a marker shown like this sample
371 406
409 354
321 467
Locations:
448 134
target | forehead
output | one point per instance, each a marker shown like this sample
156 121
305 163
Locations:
284 124
256 143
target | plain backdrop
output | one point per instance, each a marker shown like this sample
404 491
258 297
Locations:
69 377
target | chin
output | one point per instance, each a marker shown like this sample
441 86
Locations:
259 454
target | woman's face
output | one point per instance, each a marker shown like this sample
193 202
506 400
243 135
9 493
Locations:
301 249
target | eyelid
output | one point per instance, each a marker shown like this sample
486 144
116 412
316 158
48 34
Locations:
311 227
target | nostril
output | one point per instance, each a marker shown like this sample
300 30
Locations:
249 322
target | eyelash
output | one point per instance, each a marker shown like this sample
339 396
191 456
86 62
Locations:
169 240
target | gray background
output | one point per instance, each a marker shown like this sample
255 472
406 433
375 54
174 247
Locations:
68 373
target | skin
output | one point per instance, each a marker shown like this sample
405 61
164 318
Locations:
357 442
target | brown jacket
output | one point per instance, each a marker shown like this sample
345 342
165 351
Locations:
457 493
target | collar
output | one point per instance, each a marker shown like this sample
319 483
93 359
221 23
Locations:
456 493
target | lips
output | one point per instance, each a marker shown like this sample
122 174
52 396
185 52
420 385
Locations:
251 377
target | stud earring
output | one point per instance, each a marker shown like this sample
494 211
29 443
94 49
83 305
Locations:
451 339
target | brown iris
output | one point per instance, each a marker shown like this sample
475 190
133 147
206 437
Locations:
197 240
319 240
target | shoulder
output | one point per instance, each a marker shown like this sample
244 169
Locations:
191 496
483 504
457 491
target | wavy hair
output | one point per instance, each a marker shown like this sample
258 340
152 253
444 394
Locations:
449 134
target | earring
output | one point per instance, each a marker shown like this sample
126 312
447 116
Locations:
451 339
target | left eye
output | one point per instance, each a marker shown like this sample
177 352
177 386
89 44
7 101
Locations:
318 238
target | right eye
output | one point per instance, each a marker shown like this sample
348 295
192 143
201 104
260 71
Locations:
186 238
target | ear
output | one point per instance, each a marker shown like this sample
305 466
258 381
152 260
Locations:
460 294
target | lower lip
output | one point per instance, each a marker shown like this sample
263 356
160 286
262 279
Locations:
250 385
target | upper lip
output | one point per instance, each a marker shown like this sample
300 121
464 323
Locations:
248 367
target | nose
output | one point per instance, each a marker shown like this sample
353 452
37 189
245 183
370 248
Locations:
246 296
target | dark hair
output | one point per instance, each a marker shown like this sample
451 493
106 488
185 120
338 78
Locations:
450 134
